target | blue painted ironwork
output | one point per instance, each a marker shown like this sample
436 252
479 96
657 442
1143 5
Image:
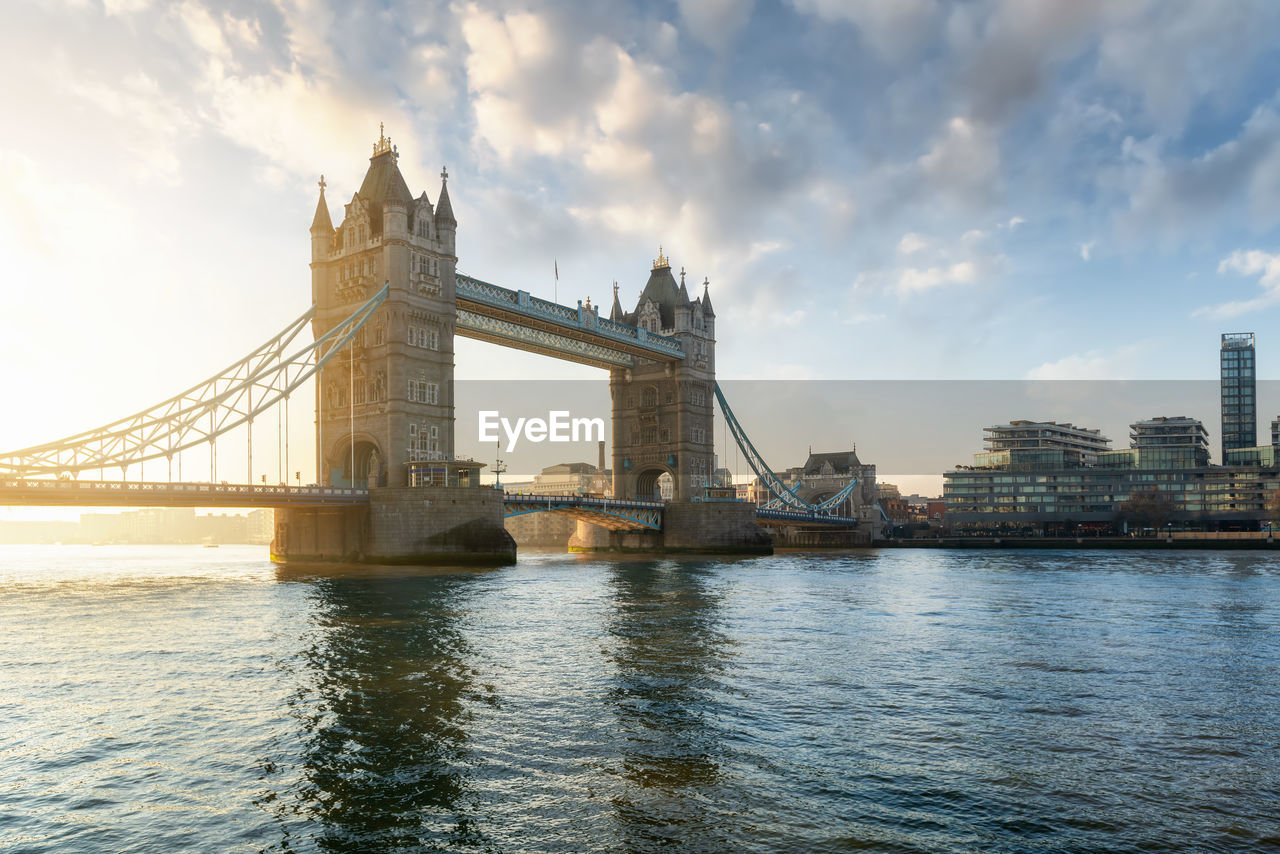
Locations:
498 331
776 503
200 414
606 512
770 480
782 494
521 309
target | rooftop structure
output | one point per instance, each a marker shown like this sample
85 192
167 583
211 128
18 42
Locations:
1170 442
1038 443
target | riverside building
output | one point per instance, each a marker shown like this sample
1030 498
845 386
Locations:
1044 478
1239 392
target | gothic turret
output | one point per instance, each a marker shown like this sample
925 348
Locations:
445 223
708 313
616 312
321 228
684 308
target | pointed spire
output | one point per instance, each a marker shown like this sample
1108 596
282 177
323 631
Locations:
444 208
321 222
615 313
707 310
682 298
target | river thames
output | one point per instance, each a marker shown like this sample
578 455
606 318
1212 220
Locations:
166 699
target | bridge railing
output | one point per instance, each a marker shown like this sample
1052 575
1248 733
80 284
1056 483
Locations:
524 303
184 488
581 501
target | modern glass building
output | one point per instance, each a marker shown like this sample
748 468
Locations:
1239 392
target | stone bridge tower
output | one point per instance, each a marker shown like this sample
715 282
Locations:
388 399
663 413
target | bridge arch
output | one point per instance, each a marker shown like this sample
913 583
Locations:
370 462
648 482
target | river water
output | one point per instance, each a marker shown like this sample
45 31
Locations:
175 699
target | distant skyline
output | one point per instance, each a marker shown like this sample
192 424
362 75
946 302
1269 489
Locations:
996 189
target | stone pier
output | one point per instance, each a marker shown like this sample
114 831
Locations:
418 526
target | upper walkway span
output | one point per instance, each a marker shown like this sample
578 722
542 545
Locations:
499 315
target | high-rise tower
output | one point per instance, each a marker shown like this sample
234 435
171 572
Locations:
387 401
1238 389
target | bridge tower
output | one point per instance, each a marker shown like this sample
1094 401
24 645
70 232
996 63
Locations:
663 414
388 401
384 408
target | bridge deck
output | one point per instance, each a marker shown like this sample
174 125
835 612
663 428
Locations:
499 315
109 493
616 515
606 512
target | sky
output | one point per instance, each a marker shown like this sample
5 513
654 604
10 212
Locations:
905 190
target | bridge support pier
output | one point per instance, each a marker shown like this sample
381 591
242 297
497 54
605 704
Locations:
414 526
789 537
726 527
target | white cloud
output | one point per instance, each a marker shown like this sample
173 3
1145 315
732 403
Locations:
912 280
963 163
911 242
140 117
1013 223
126 7
1086 250
203 29
1091 365
1264 265
933 265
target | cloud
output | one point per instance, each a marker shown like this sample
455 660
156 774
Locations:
896 31
141 117
912 280
1013 223
715 23
1265 266
963 163
1214 45
1174 194
1006 52
965 260
634 154
1086 250
1091 365
911 242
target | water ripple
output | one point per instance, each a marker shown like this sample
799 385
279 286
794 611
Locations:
171 699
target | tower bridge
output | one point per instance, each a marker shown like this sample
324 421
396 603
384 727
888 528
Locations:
382 359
